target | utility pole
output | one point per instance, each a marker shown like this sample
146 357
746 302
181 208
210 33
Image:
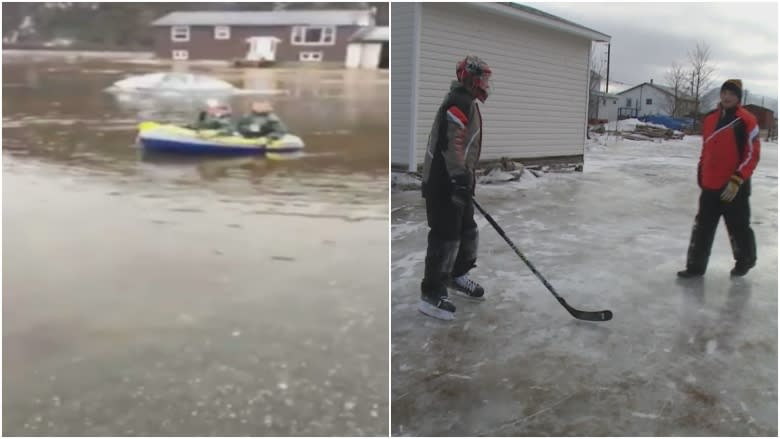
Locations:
606 90
609 46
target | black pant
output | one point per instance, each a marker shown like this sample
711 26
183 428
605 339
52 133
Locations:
452 242
737 217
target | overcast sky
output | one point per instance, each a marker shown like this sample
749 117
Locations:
648 37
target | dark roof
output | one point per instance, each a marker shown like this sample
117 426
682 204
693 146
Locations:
758 107
331 17
661 88
543 14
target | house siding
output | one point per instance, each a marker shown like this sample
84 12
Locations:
539 104
402 87
661 101
608 110
203 46
639 96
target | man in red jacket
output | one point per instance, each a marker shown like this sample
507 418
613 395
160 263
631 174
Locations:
729 155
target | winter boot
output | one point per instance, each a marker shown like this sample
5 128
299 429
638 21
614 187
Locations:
467 287
740 269
689 274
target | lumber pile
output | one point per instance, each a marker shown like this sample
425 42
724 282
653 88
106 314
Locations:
648 132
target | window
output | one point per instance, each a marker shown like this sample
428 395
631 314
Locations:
649 102
314 35
614 101
221 32
628 102
310 56
180 33
180 55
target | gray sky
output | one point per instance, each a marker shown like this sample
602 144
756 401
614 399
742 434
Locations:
648 37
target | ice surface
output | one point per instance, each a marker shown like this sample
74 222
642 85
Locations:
677 359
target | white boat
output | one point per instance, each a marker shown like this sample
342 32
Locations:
172 83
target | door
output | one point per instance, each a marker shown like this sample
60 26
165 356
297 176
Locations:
354 55
262 48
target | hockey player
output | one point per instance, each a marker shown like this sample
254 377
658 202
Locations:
452 154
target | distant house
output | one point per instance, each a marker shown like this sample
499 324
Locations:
603 106
369 48
299 36
649 99
765 116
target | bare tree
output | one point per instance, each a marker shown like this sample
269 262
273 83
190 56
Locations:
675 79
699 74
597 71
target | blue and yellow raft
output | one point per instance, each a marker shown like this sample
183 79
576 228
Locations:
167 138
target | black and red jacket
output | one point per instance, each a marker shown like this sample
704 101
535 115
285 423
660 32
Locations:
730 146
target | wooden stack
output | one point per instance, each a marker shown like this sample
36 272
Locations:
646 132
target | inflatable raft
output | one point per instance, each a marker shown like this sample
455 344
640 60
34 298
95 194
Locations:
167 138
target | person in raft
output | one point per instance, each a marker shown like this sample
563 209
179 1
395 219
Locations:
217 117
261 122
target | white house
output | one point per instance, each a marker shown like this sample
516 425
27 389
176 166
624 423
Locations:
365 48
603 106
541 70
649 99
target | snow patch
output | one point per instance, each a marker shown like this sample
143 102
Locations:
498 176
405 181
712 345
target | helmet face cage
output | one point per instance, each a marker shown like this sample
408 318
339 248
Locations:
475 73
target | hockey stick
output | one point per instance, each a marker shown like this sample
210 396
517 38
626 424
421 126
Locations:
594 316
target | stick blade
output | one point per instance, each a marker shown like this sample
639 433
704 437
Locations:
591 316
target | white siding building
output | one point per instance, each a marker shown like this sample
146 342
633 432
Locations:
365 49
604 106
648 99
540 64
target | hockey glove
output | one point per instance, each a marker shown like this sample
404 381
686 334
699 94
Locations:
731 189
461 190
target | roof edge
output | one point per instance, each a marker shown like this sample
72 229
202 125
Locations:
560 24
160 21
682 96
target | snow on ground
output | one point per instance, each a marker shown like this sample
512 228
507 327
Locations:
690 358
629 125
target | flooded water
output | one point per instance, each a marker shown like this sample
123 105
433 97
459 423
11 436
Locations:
149 296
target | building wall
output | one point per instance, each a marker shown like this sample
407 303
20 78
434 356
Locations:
539 104
598 108
765 117
660 106
608 110
402 87
203 46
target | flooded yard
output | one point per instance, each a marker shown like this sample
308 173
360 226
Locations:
198 296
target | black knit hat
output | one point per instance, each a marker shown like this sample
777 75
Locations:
734 85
